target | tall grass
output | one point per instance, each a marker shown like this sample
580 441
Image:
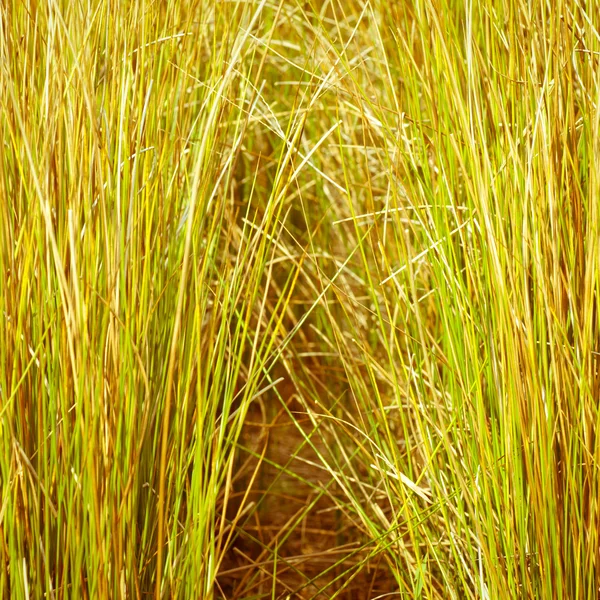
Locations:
299 299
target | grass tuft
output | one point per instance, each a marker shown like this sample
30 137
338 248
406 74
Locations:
299 299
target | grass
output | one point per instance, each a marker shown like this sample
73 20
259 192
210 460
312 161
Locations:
299 299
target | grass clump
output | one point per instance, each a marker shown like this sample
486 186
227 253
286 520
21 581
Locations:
299 299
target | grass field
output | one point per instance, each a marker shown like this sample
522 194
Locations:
299 299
